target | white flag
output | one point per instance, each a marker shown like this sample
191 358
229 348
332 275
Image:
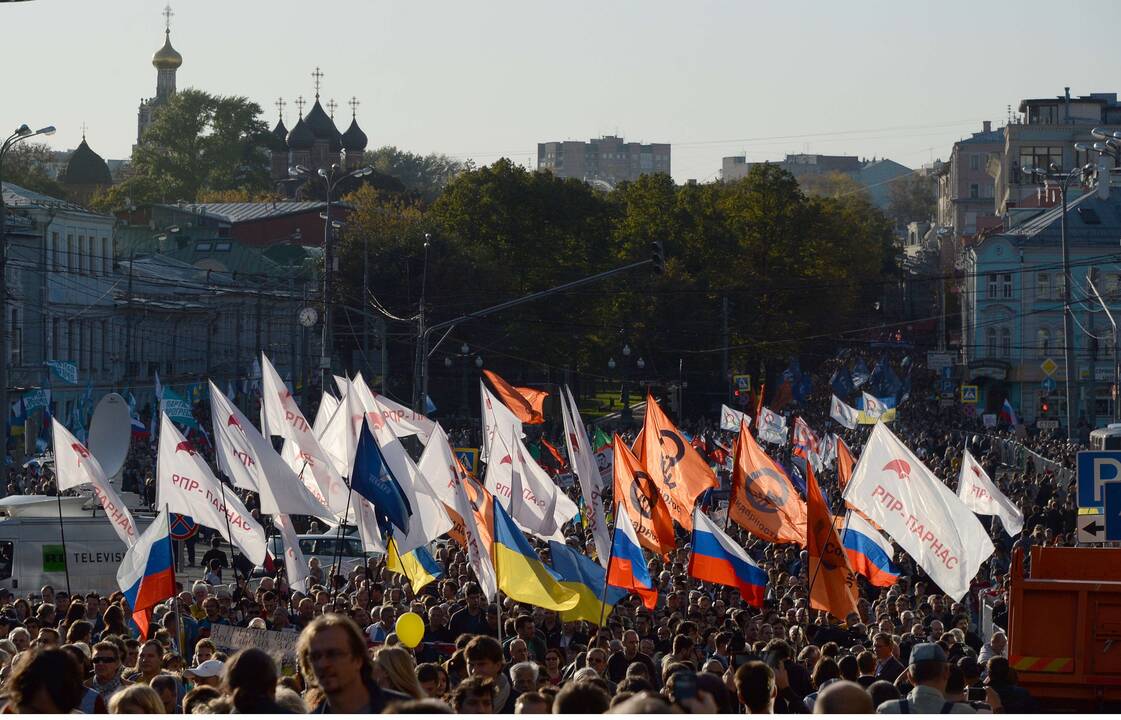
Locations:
75 465
339 437
185 484
402 421
730 418
430 519
366 520
582 461
285 419
843 413
294 562
772 427
478 555
897 492
250 463
545 508
872 405
981 495
497 420
327 405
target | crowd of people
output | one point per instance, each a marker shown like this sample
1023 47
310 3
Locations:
701 649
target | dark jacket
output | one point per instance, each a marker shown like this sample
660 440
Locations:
379 699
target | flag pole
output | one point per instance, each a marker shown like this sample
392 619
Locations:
62 531
606 577
494 561
175 597
229 534
339 539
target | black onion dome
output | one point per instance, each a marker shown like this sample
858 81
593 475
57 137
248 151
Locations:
323 127
354 138
301 137
279 137
86 168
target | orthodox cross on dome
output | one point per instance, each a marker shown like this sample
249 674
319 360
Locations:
353 107
331 105
167 15
280 108
83 132
300 104
318 77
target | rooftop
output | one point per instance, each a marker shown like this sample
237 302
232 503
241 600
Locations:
246 211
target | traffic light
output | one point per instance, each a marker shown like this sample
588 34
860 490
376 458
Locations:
658 256
1044 406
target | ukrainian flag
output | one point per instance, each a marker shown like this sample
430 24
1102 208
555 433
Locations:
586 578
521 574
417 565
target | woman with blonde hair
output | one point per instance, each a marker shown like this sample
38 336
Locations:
136 700
394 668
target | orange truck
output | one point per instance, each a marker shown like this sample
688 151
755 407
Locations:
1064 627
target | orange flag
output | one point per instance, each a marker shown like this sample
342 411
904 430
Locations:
845 463
677 468
832 581
763 501
527 403
636 491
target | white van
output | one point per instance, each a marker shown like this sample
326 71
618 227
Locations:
31 549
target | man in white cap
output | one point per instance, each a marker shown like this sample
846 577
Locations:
929 671
208 673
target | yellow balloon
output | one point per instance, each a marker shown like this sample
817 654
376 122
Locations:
410 629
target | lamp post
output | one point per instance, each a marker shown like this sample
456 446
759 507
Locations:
626 416
23 132
331 179
1063 180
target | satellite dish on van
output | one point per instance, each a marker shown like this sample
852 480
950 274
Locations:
110 433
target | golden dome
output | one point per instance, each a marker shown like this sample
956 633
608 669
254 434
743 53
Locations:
167 58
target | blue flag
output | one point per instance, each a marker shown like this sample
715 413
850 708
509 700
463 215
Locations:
860 373
177 408
373 480
796 471
842 383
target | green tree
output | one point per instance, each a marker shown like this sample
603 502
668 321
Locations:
424 175
198 143
912 198
26 165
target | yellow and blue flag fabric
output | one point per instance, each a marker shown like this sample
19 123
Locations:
586 578
418 565
521 574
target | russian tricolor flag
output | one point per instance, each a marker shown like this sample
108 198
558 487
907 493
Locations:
869 552
1008 414
147 575
719 559
627 568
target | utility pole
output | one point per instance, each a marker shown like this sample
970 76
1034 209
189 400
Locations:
128 323
724 374
365 294
1116 357
1091 401
258 311
420 390
383 341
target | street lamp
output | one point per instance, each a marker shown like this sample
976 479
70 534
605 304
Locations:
331 179
1063 180
23 132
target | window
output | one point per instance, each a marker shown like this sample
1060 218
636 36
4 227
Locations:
1059 285
68 262
202 247
1006 286
990 342
992 286
1005 342
974 191
1043 286
222 247
17 339
55 351
1041 156
974 161
54 251
1043 339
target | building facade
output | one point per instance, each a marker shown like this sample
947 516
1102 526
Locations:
1012 311
609 160
1044 135
875 175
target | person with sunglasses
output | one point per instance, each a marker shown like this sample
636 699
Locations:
107 680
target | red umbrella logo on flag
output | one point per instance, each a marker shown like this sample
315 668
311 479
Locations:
900 468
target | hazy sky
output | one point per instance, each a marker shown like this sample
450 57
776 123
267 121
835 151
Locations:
486 79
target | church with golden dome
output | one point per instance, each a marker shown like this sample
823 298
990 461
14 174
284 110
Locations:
166 60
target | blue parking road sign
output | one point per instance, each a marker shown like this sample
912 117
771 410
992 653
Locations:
1112 493
1095 469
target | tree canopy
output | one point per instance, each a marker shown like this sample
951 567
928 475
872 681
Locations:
197 143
